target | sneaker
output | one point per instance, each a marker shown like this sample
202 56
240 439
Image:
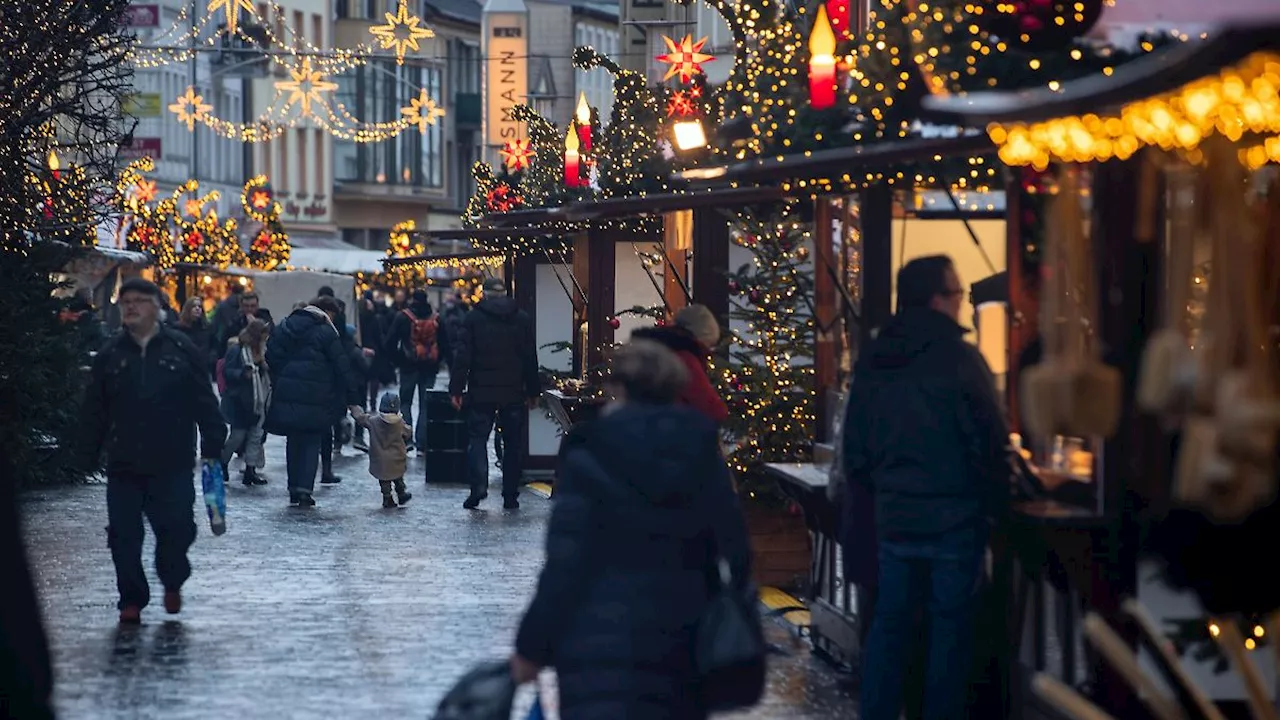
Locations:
404 497
409 446
330 479
172 602
130 615
259 480
472 502
388 501
510 504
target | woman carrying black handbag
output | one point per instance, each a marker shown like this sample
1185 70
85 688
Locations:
631 608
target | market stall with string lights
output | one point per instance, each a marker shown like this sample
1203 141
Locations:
1155 282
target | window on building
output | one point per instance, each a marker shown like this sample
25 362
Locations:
321 187
375 93
301 154
282 162
317 30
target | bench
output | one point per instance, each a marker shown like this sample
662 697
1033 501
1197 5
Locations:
833 625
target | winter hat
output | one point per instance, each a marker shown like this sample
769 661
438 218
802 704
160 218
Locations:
494 286
325 291
419 303
389 403
141 286
699 321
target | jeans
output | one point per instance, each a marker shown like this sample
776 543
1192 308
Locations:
951 564
480 418
167 503
302 459
422 383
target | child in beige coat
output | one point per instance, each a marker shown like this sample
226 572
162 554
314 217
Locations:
388 453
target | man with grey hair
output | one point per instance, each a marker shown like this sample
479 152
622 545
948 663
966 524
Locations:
148 391
496 363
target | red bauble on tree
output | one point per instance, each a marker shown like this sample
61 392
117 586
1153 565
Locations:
1041 24
615 323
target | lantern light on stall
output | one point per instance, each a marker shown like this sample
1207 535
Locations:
689 134
822 62
583 115
572 161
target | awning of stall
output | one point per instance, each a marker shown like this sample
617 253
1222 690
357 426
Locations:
446 259
813 171
344 261
1227 82
658 204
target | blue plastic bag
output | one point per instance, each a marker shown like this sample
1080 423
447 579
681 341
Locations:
215 495
535 712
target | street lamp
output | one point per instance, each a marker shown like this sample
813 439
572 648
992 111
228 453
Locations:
689 134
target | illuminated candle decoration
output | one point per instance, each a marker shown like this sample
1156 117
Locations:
583 115
822 62
838 14
55 165
572 162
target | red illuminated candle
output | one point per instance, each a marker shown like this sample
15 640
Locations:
838 12
55 165
583 115
572 161
822 62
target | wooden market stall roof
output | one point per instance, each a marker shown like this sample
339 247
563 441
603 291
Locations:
1144 77
839 163
445 257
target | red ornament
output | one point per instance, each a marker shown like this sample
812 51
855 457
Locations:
755 296
1030 24
733 287
838 12
615 323
680 104
262 242
193 239
502 198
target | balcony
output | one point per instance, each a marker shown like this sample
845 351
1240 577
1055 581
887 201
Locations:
467 109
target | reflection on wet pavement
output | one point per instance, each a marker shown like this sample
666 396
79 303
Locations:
346 611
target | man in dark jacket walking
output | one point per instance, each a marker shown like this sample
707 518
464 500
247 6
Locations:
148 391
496 364
925 432
452 316
415 344
312 383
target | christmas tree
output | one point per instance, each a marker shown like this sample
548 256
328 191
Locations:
768 381
269 248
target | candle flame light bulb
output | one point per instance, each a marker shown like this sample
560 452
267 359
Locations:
583 115
54 163
822 62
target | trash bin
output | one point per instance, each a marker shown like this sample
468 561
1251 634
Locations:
446 460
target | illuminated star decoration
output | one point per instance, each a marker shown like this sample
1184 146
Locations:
193 208
233 8
516 154
305 86
401 32
684 59
680 104
261 199
422 111
189 108
144 191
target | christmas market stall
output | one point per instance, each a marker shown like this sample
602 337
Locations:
1143 379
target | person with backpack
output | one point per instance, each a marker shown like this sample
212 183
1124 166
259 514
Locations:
415 345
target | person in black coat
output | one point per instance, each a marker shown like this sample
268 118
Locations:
372 340
926 434
313 384
149 389
495 363
644 507
26 675
245 402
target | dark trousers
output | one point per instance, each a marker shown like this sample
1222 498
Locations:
327 439
480 417
951 566
302 459
387 485
421 383
167 502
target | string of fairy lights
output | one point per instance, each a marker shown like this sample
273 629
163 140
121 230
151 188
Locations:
305 94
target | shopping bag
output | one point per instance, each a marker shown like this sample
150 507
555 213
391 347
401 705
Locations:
535 712
215 495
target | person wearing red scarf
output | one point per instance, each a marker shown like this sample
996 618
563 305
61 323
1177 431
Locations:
691 338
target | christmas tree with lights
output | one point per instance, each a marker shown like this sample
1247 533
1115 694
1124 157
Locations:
768 381
269 247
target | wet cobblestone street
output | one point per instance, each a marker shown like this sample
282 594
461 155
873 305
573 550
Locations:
347 610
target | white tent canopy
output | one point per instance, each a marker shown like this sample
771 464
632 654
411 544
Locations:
335 260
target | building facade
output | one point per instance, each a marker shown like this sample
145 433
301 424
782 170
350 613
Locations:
424 177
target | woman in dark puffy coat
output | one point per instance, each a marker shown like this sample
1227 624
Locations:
312 384
643 507
192 323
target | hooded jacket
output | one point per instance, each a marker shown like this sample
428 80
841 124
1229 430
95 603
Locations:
643 506
388 451
312 379
925 431
495 360
698 393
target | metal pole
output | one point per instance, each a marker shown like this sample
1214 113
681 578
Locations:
191 70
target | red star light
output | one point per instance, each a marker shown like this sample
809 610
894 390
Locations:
680 105
516 155
684 59
261 199
145 191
